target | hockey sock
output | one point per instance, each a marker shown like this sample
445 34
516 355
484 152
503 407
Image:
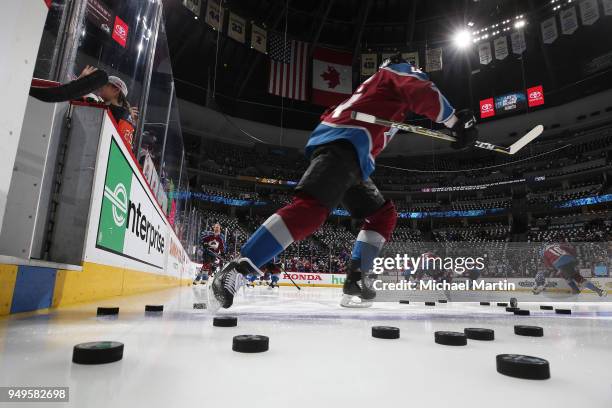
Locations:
591 285
375 231
574 286
291 223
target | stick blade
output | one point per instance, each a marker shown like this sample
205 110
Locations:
525 140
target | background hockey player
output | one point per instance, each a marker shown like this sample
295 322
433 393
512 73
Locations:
562 258
213 247
342 153
273 269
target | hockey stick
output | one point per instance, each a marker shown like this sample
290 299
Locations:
71 90
512 149
292 281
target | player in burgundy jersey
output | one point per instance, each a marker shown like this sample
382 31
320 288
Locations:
561 257
342 153
213 247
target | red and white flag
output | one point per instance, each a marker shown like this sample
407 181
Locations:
332 76
288 67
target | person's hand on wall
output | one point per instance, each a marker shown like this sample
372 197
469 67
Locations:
88 70
134 113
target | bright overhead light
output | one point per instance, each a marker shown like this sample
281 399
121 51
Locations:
462 38
519 24
471 24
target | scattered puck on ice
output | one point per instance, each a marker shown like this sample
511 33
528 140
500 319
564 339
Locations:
533 331
97 352
522 312
485 303
199 305
512 309
405 302
476 333
442 301
519 366
250 343
108 311
502 304
563 311
385 332
430 303
225 321
154 308
449 338
546 307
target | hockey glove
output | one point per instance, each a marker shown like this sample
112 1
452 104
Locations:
464 129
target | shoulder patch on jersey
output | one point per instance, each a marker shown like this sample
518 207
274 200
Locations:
406 69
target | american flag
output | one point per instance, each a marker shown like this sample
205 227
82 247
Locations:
287 67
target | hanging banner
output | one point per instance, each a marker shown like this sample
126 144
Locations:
413 57
607 5
501 47
368 64
518 42
193 6
549 30
236 28
569 21
433 59
214 15
259 38
589 12
484 52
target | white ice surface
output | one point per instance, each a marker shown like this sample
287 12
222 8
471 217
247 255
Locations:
321 355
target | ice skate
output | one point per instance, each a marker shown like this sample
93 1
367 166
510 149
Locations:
357 289
538 289
227 282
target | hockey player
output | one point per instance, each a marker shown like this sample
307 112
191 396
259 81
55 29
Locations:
213 246
342 153
273 269
562 258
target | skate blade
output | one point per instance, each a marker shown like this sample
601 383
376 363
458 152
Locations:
348 301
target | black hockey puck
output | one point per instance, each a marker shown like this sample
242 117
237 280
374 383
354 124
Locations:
485 303
512 309
442 301
532 331
513 302
430 303
563 311
546 307
502 304
97 352
522 312
199 305
225 321
250 343
477 333
154 308
405 302
519 366
449 338
108 311
385 332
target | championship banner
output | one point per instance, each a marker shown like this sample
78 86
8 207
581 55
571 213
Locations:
607 6
214 15
484 53
259 39
368 64
501 47
433 59
332 76
549 30
236 28
569 21
589 12
518 42
193 6
413 57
